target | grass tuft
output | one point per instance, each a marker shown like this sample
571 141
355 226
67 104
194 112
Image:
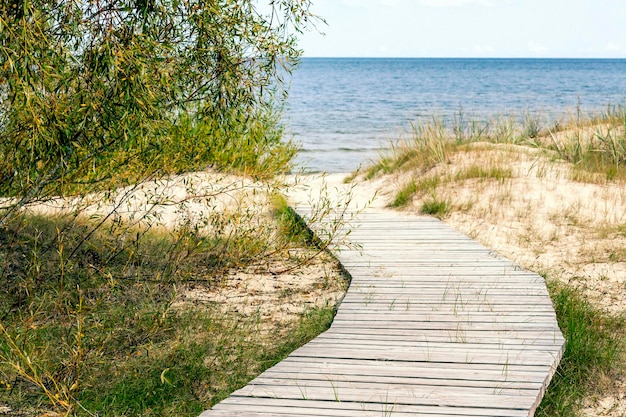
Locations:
594 352
436 207
480 172
404 196
413 187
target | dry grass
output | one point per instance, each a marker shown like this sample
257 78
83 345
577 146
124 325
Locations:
553 202
165 306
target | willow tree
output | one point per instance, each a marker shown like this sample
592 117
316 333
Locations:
97 96
91 88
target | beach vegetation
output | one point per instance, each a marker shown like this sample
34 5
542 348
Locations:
435 206
94 95
141 149
595 148
594 354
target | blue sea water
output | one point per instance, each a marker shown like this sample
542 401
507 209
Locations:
343 111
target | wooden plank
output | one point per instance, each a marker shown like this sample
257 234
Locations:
449 326
445 297
501 274
453 343
414 385
436 291
483 338
428 310
451 316
245 405
433 282
457 335
430 396
394 365
450 376
434 356
452 381
356 268
381 343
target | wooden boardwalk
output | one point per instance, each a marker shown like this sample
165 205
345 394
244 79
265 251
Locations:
433 324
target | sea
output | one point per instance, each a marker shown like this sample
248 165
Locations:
345 112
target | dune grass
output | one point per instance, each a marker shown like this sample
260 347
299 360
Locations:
474 171
596 148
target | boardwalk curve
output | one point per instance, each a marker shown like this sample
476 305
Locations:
433 324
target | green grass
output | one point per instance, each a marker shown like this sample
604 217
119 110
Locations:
413 187
497 173
291 224
594 353
428 185
601 151
427 145
594 146
98 330
211 356
437 207
596 149
405 195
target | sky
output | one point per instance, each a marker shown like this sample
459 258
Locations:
468 28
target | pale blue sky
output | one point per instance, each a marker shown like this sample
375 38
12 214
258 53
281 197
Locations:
469 28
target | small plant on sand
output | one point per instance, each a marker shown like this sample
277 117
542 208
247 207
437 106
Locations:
415 187
426 146
531 126
476 171
436 206
405 195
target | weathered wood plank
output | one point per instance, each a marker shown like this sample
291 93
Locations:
424 355
451 379
527 338
410 395
382 381
247 405
478 338
447 374
381 343
394 365
452 316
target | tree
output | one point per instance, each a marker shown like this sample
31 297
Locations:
96 95
90 86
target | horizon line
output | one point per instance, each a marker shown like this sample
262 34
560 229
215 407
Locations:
460 57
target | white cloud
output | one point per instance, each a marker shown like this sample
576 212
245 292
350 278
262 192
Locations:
351 2
536 48
484 49
613 47
456 3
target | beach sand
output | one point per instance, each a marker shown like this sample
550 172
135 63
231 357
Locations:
538 217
